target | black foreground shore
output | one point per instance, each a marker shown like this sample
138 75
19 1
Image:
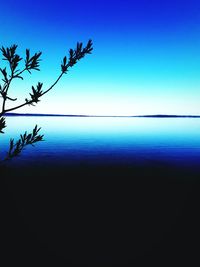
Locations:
100 215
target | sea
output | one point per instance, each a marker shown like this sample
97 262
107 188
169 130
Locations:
106 140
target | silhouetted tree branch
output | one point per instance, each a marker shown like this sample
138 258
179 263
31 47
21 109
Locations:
31 63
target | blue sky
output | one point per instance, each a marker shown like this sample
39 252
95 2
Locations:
146 57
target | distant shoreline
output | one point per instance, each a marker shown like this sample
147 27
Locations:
101 116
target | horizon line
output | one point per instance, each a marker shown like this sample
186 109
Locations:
109 116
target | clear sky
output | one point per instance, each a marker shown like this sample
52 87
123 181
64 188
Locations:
146 57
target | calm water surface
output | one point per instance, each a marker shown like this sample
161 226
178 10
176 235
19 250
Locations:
71 140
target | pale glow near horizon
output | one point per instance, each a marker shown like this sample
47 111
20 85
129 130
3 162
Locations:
123 106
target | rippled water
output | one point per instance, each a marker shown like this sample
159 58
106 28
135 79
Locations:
108 140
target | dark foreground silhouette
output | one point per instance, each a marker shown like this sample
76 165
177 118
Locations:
57 215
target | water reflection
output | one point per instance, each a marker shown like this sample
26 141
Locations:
124 140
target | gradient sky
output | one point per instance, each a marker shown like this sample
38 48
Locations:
146 57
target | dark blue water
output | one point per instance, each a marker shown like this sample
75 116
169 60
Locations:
71 140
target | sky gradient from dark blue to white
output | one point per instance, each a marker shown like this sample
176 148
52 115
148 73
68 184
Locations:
146 57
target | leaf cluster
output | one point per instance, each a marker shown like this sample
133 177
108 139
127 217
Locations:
5 75
2 91
36 93
25 139
75 55
2 124
10 55
32 63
